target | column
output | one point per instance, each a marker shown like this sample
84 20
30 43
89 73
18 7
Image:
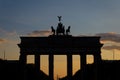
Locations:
83 60
97 58
51 66
97 61
83 66
69 66
23 60
37 62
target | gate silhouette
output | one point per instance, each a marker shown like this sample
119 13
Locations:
60 45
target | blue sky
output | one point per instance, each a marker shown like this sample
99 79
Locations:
84 16
23 17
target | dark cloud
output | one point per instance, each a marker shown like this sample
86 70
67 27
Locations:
40 33
114 37
111 47
109 38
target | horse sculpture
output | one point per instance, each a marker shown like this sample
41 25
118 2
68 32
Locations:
53 30
68 30
60 29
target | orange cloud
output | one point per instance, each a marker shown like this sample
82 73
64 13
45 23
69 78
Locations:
40 33
2 40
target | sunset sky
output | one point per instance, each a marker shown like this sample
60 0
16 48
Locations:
34 18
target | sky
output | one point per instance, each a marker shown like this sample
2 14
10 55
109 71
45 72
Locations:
35 17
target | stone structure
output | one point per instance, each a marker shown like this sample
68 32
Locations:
60 45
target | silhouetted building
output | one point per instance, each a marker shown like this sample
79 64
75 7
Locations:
58 44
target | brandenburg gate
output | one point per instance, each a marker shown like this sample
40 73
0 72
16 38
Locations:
60 43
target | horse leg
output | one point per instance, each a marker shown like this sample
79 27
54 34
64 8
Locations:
64 33
53 32
57 33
